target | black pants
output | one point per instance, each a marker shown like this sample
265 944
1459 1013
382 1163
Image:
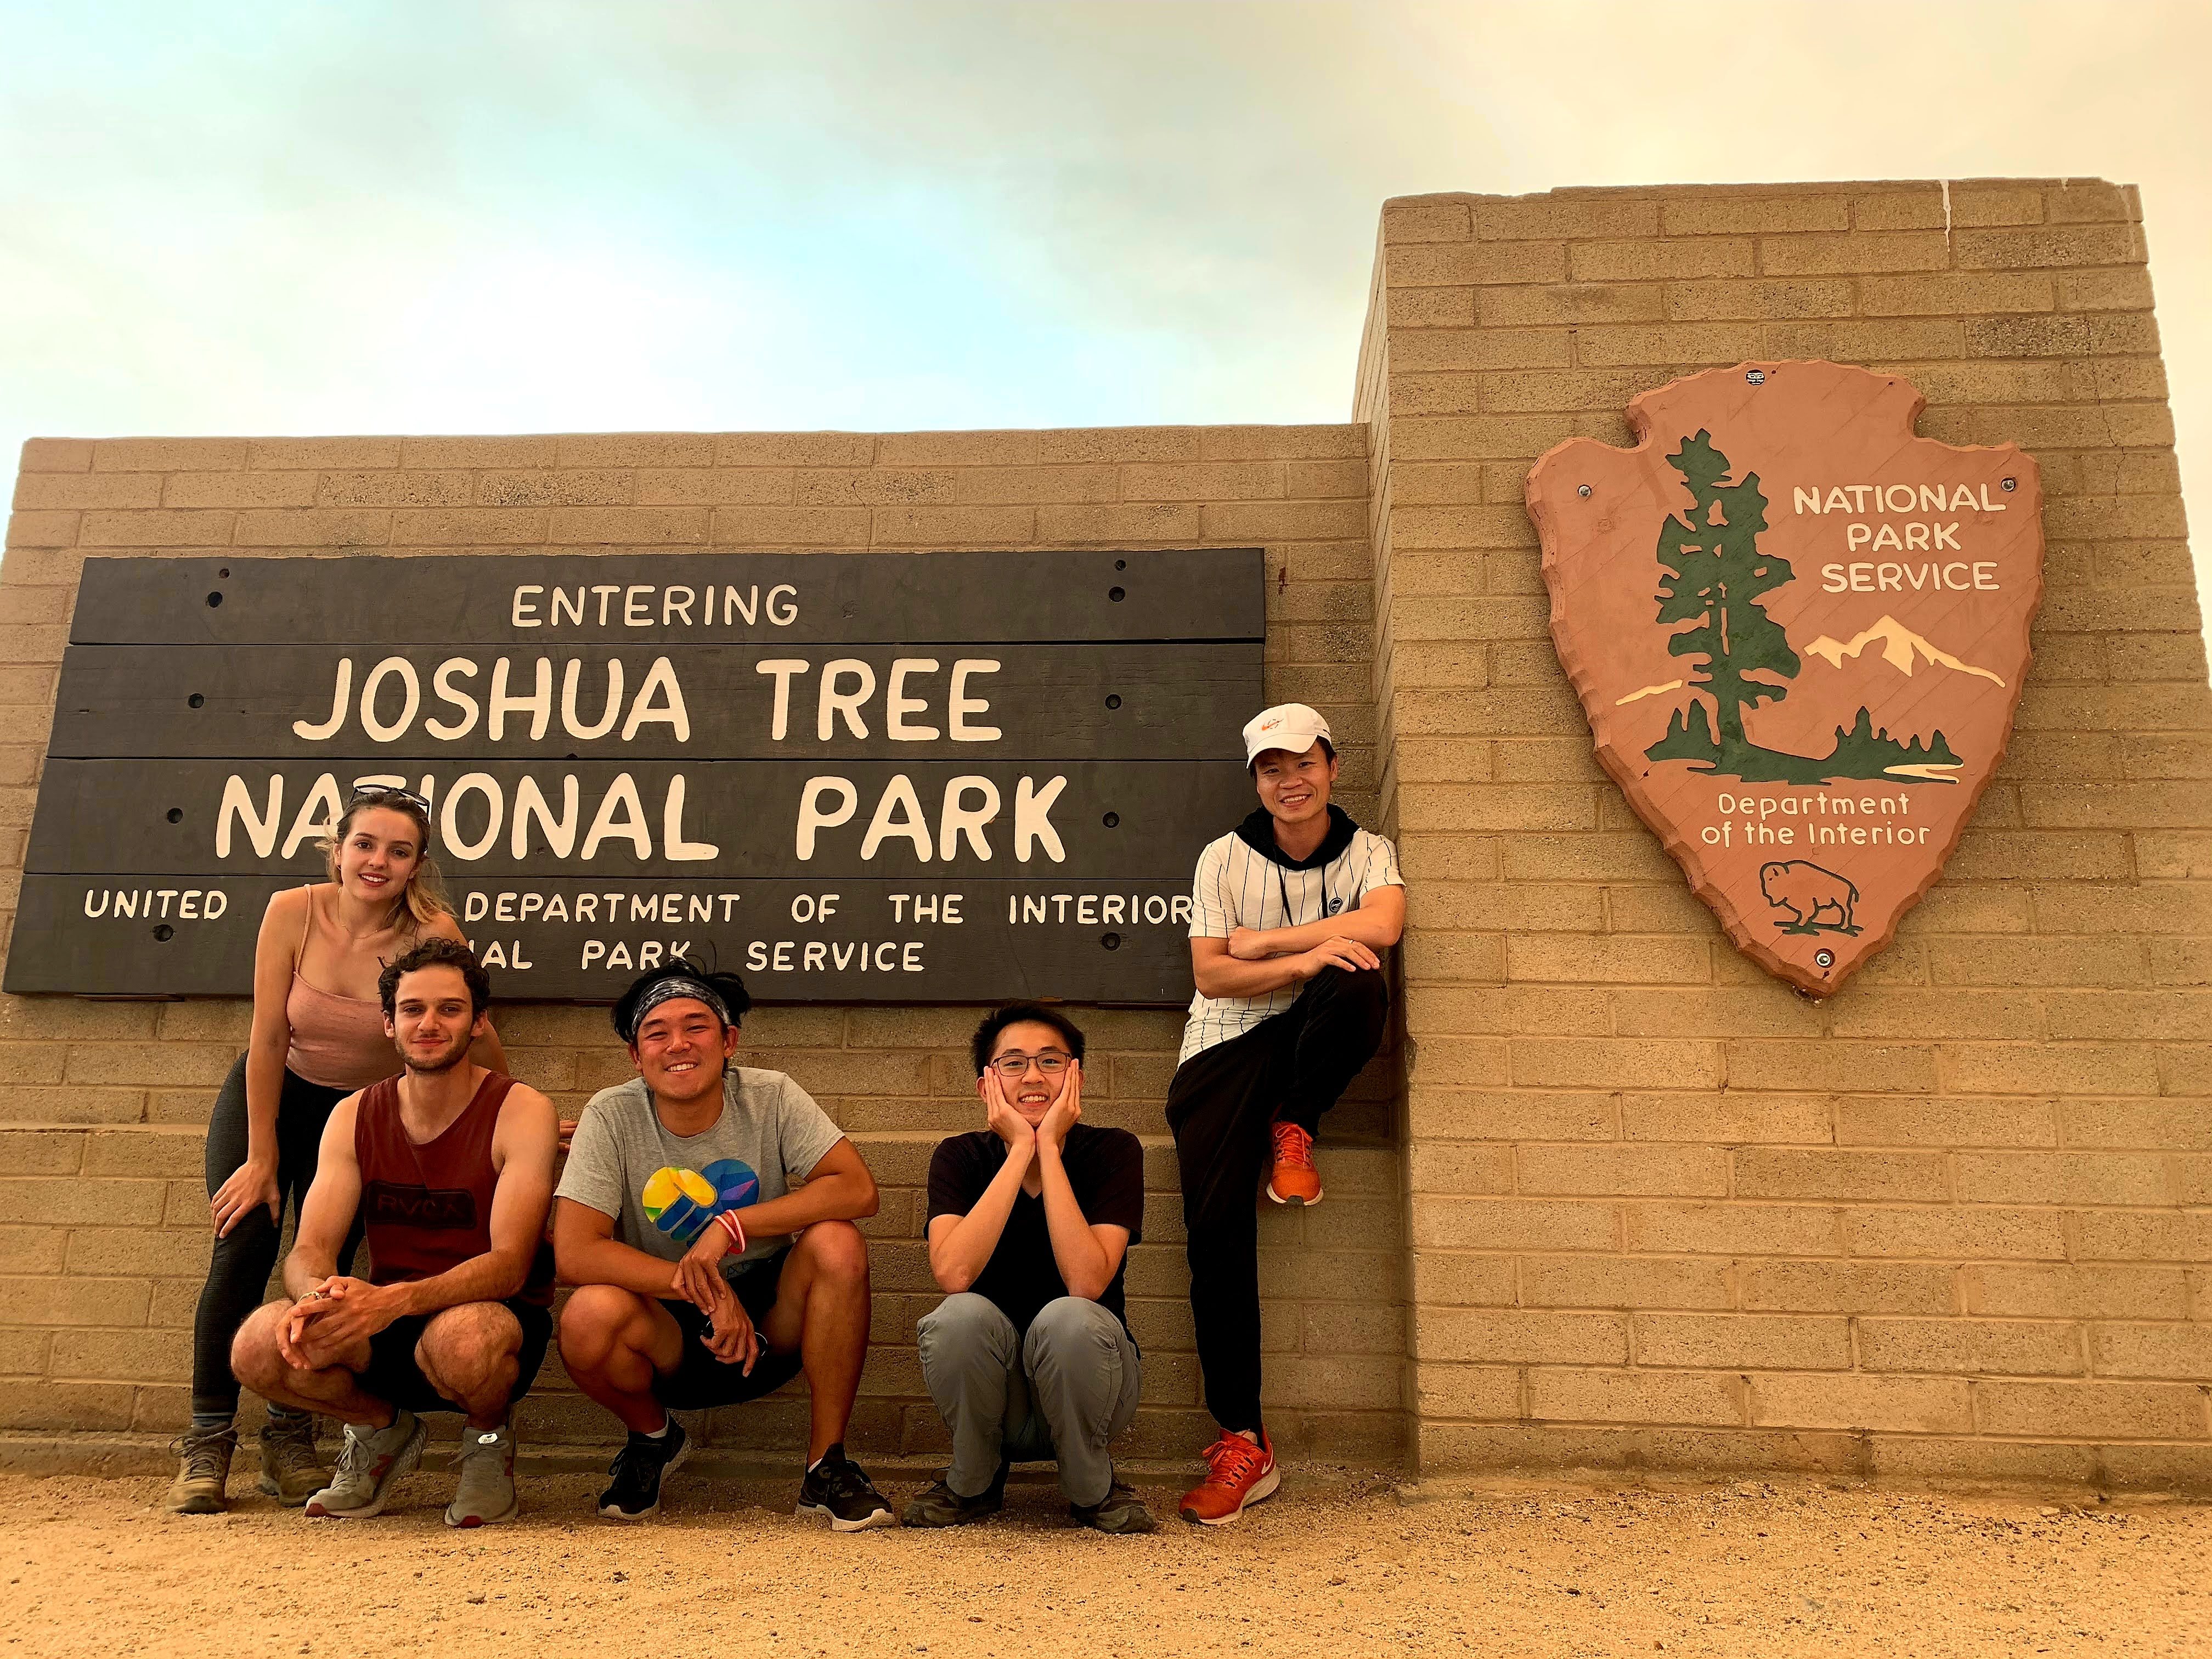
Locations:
238 1274
1221 1106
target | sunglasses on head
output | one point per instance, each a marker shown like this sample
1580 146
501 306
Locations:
370 794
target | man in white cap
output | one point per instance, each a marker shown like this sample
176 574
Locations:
1290 913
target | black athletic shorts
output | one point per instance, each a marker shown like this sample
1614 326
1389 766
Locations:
393 1376
700 1381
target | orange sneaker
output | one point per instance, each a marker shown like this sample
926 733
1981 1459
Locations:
1293 1179
1238 1475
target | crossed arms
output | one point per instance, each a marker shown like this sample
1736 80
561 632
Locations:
1254 961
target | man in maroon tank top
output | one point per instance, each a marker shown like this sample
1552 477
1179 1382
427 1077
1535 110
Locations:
450 1168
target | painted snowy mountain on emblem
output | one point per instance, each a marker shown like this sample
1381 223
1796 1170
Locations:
1799 633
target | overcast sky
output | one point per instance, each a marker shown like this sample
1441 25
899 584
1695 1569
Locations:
456 217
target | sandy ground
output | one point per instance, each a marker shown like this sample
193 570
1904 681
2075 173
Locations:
1342 1566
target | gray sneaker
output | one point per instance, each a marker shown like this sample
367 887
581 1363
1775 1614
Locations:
485 1496
371 1461
1120 1510
292 1471
203 1467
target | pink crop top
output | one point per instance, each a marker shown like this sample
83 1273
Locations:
336 1041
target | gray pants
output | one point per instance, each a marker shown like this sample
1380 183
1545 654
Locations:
1063 1391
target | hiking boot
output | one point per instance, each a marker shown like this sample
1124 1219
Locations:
373 1460
836 1487
291 1470
485 1495
1238 1475
941 1506
1120 1510
638 1468
1292 1179
203 1470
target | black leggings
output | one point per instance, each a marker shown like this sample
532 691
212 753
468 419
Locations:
237 1275
1223 1103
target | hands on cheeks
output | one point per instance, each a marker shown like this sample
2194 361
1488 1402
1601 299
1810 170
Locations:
329 1319
1065 1112
1001 1117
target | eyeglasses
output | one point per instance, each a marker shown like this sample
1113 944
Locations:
367 793
1052 1063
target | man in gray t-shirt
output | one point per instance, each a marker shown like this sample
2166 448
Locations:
706 1218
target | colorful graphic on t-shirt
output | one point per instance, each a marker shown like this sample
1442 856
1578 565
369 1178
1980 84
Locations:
681 1202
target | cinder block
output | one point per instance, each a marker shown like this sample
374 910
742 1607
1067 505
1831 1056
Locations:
1628 1283
2043 246
162 527
42 530
1587 1395
1734 1229
74 1301
1473 1392
1776 1172
57 455
1642 1171
1854 253
1448 1279
1955 1232
1850 1287
2076 1291
1974 1348
2180 1352
1644 261
66 1405
1506 1224
1169 521
1742 1341
1520 1336
2112 1177
1911 1405
169 455
2117 1410
41 491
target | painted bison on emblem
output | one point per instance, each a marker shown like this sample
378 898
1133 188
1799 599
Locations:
1804 892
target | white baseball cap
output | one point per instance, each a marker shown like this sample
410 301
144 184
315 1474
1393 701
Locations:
1291 726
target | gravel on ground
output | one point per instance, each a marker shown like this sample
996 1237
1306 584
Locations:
1343 1565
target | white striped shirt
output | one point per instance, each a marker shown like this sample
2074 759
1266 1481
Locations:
1237 887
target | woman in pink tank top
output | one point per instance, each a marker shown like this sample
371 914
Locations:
317 1035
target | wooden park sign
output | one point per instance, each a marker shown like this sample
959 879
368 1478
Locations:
860 777
1799 632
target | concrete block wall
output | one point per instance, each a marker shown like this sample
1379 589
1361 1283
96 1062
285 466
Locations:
1957 1219
103 1209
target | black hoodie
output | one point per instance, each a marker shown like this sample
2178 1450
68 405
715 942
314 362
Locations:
1258 833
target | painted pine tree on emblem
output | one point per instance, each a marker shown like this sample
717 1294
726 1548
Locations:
1715 576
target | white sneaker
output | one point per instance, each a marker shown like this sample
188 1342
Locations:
371 1461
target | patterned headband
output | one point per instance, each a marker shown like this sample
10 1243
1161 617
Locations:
667 990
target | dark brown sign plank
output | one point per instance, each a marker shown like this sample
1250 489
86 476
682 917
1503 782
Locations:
663 599
957 940
647 701
1137 820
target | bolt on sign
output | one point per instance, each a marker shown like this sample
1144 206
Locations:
939 777
1799 632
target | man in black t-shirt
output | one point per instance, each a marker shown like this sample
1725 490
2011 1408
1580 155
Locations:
1029 1356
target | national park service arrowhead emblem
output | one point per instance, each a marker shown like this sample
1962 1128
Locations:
1799 632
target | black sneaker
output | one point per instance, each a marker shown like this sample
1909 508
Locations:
637 1469
836 1487
941 1506
1120 1510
